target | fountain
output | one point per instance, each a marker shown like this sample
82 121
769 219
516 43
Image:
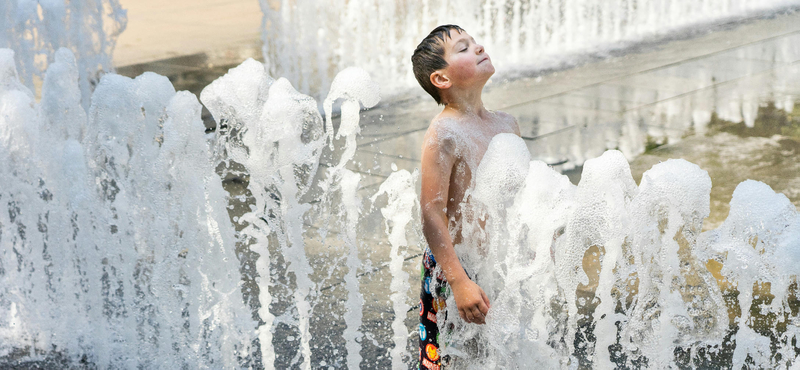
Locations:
120 247
308 43
117 249
35 30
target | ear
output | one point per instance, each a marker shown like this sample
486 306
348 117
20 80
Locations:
440 80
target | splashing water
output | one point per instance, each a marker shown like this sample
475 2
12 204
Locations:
35 30
399 212
307 41
356 88
116 247
610 274
114 239
279 147
151 247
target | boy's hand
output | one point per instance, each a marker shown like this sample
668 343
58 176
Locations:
471 301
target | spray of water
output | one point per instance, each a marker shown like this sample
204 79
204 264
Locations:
399 212
612 274
115 244
35 30
117 248
307 41
356 88
276 135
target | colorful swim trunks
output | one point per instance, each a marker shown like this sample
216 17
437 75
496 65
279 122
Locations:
431 300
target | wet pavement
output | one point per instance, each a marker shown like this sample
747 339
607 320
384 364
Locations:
730 158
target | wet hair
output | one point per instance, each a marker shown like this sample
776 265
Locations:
429 57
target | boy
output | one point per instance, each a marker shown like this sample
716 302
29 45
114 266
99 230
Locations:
453 69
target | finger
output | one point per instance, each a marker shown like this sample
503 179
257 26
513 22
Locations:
463 315
479 317
470 317
485 305
476 312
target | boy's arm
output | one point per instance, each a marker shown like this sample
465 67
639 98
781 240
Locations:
438 158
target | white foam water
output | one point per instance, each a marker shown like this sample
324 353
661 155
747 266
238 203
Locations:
758 248
238 99
307 41
277 135
115 244
130 197
399 187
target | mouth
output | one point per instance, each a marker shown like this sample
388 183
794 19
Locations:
483 60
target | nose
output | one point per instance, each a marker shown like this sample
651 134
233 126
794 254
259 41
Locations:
479 50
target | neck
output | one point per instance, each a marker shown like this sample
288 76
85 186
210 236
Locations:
466 102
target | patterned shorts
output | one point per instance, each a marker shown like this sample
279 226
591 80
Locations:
432 300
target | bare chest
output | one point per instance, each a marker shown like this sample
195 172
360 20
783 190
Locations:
469 154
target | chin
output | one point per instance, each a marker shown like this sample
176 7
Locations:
488 67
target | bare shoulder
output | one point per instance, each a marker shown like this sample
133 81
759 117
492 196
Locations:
503 115
508 120
441 134
442 129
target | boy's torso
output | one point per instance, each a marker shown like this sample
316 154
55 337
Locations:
470 137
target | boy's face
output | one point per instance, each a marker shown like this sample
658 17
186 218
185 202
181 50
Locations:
468 63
